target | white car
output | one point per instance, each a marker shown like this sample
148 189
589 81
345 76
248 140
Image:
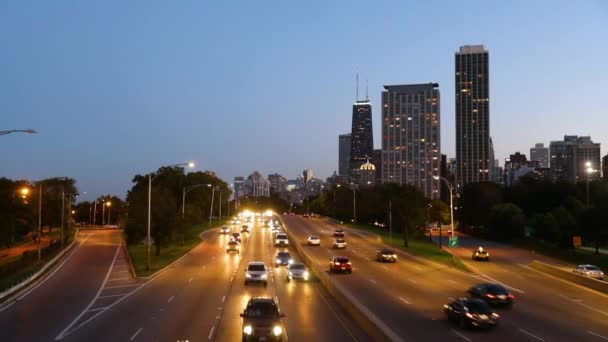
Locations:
339 243
314 240
297 270
589 271
281 240
225 230
256 272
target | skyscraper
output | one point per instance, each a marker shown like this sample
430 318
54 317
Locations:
278 183
344 154
411 152
568 158
473 145
362 138
605 167
558 153
540 153
239 188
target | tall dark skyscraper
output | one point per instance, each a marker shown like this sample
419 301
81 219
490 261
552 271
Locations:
344 154
362 138
473 143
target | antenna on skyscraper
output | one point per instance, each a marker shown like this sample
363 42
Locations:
366 97
357 87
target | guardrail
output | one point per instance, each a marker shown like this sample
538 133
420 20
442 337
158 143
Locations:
591 283
368 321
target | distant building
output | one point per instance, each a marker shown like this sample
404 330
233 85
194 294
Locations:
540 153
605 167
367 174
257 185
558 157
278 183
308 175
411 152
569 158
292 184
239 188
473 144
377 161
498 173
344 154
362 138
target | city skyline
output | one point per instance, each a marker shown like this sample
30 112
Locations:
105 113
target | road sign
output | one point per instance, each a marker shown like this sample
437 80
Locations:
453 241
576 241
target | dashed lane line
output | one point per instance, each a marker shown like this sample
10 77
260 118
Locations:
597 335
531 335
460 335
210 336
136 333
170 299
404 300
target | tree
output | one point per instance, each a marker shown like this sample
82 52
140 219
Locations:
475 203
547 227
439 211
505 222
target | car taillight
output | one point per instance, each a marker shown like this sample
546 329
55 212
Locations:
489 295
511 296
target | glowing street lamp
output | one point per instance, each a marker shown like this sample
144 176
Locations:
109 205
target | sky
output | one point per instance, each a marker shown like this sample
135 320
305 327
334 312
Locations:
119 88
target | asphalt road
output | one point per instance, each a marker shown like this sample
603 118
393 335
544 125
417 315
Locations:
200 299
408 295
43 313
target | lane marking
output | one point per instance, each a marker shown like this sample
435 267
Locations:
451 281
412 281
211 333
598 335
531 335
116 279
418 268
405 301
450 298
7 306
223 299
190 280
170 299
460 335
97 309
385 267
136 333
373 281
120 286
110 296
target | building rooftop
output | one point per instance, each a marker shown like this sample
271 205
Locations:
472 49
408 88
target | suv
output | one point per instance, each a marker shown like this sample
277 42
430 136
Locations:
314 240
340 264
262 321
256 272
386 255
281 240
233 246
283 259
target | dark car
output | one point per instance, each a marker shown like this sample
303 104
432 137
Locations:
386 255
244 228
339 232
340 264
471 313
262 321
236 237
481 254
494 294
283 259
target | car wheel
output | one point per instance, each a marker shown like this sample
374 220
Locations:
246 283
265 284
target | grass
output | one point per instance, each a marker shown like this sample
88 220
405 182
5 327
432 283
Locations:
416 246
168 254
572 256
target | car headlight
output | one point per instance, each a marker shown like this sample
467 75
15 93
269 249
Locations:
290 274
277 330
248 329
278 261
247 275
290 261
264 276
305 275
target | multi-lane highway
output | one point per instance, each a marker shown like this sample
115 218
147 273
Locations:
408 295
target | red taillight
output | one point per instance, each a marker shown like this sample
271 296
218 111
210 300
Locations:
489 295
511 296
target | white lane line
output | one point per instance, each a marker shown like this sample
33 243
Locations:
223 299
372 280
211 333
451 281
405 301
460 335
136 333
120 271
412 281
531 335
7 306
110 296
204 266
385 267
170 299
598 335
418 268
116 279
450 298
190 280
120 286
97 309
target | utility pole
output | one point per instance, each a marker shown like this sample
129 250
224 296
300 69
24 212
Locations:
39 220
390 220
62 214
211 208
220 190
149 214
95 213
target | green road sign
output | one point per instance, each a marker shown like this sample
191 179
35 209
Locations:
453 241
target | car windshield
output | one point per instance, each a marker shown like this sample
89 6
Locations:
262 310
232 243
496 289
592 268
257 267
342 260
236 234
340 240
281 236
283 255
478 306
314 238
386 251
297 267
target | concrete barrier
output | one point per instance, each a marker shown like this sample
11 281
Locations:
591 283
368 321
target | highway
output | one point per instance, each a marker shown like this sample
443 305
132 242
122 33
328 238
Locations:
41 313
408 295
200 299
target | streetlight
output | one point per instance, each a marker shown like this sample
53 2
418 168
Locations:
150 179
29 131
103 212
186 190
589 170
109 205
353 187
451 206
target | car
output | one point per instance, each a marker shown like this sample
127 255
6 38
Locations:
244 228
339 243
281 240
314 240
494 294
225 230
339 232
386 255
283 259
233 246
305 215
481 254
590 271
236 236
276 229
262 320
340 264
297 270
256 272
471 313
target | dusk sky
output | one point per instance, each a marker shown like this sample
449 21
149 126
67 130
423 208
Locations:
117 88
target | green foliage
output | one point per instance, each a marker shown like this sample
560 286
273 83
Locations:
505 222
476 201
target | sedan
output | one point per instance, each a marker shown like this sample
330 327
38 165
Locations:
339 232
236 236
297 270
471 313
340 264
589 271
225 230
339 243
481 254
283 259
386 255
314 240
494 294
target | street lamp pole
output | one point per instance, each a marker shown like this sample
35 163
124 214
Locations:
211 208
220 216
354 205
39 220
186 190
95 213
103 212
451 189
62 213
109 212
588 170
